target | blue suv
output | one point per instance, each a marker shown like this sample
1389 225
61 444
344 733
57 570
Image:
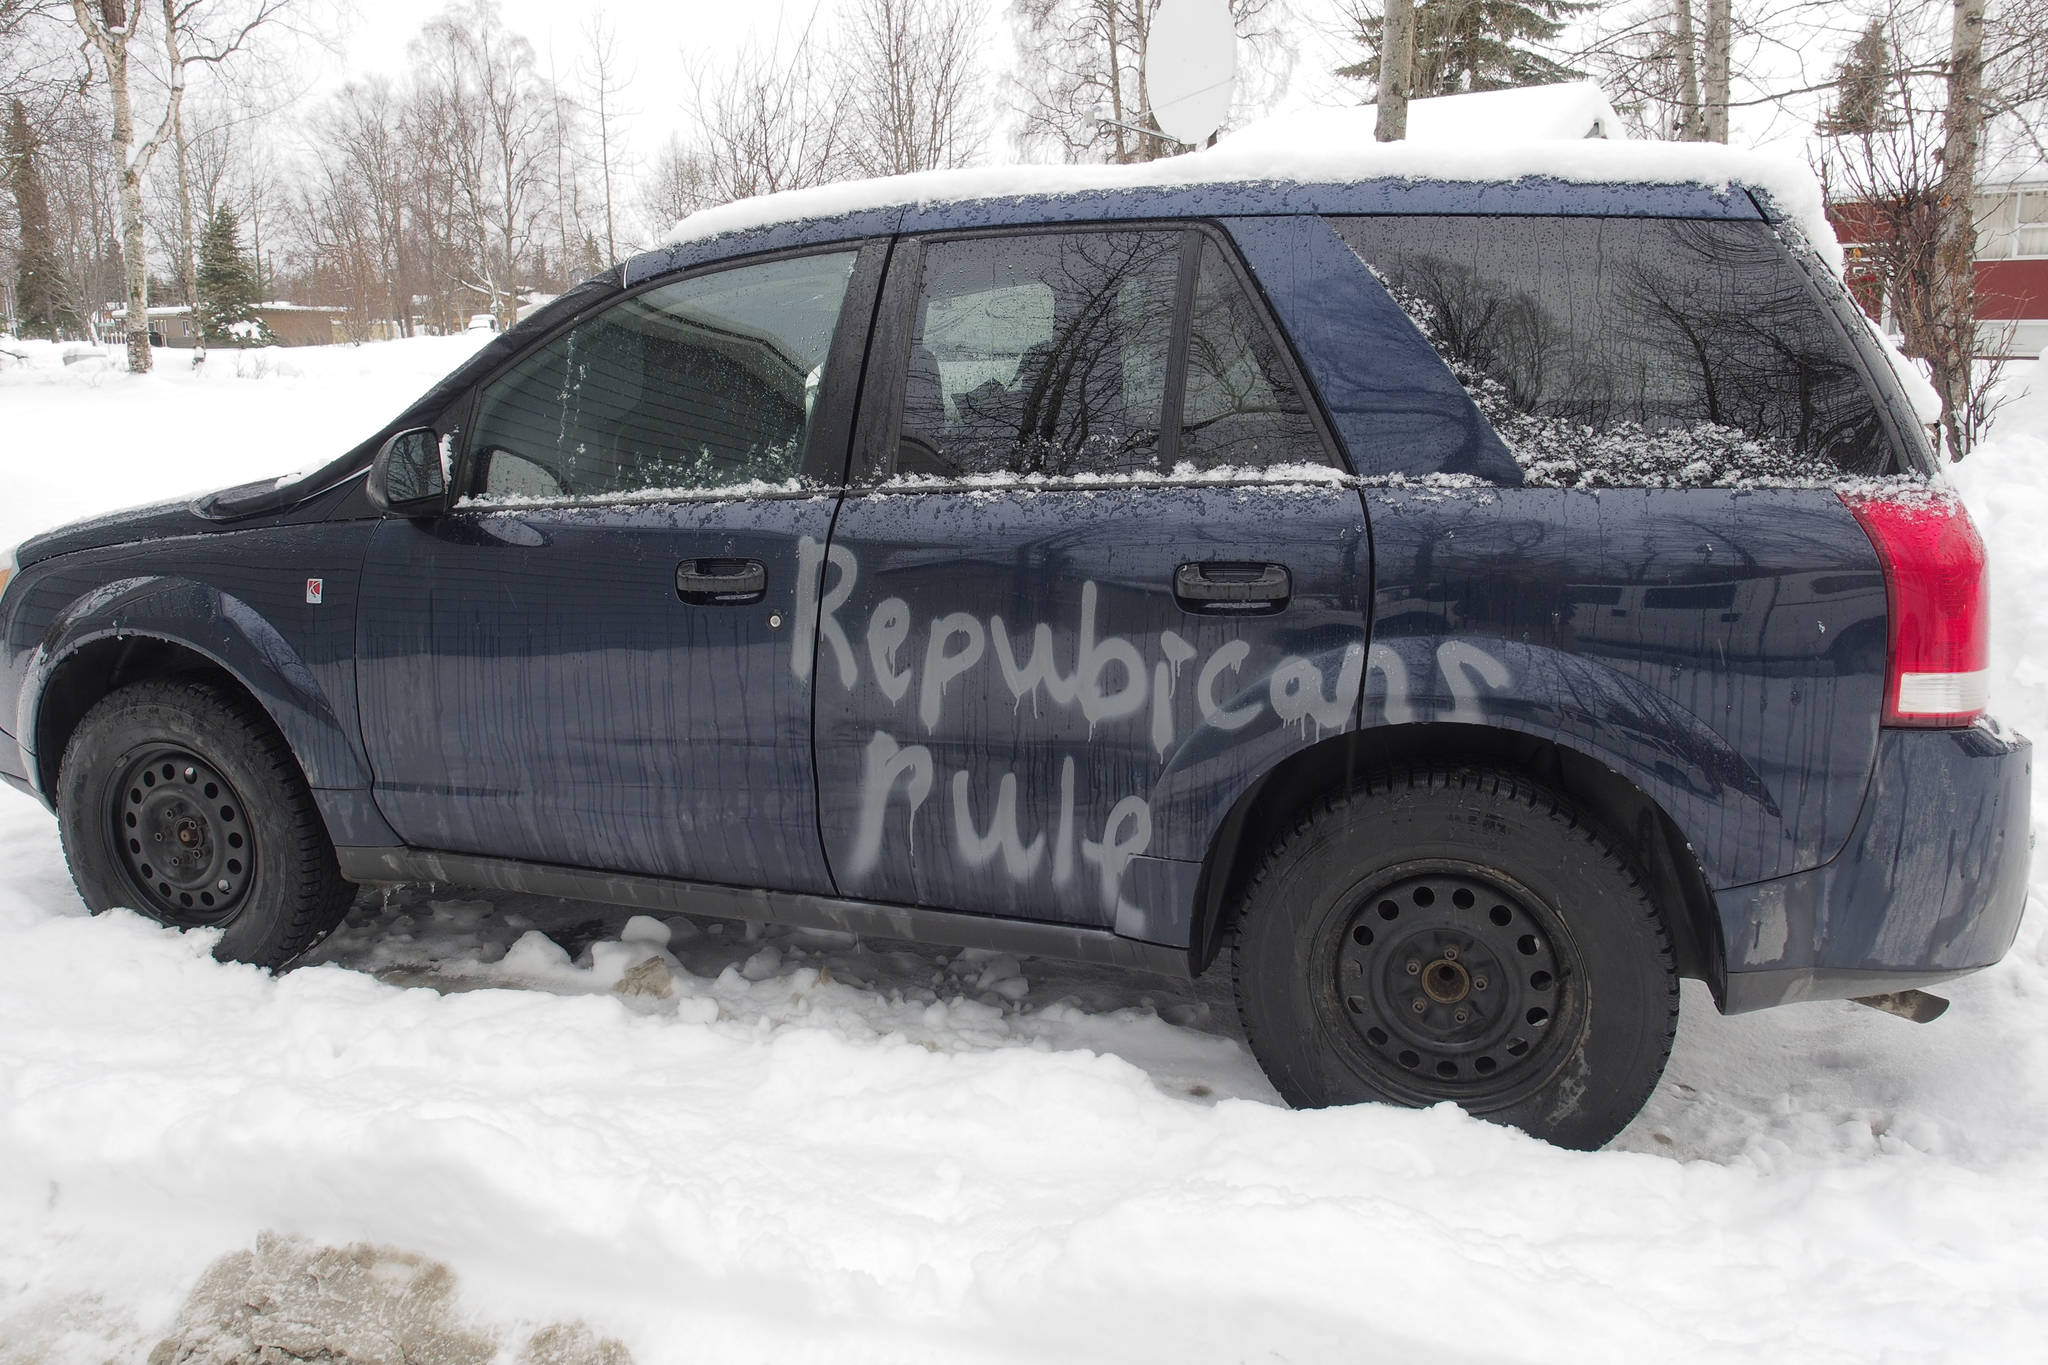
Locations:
1463 608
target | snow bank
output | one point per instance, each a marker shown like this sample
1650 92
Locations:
86 437
1567 111
1321 148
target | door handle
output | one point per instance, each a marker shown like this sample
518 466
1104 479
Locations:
721 582
1232 587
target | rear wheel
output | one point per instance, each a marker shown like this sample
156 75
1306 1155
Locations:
1461 935
180 800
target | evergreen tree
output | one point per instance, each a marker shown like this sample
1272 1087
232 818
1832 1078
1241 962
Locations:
227 286
1862 86
40 307
1467 45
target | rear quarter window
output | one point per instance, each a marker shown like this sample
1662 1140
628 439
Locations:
1633 351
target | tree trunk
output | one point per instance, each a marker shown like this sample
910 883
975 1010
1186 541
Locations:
1715 114
188 271
1691 128
1116 83
604 151
1397 48
134 253
1955 302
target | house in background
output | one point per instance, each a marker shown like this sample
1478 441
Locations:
293 324
2012 264
2012 267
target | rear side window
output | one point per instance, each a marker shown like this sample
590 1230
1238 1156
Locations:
1241 408
1041 354
697 386
1051 354
1635 350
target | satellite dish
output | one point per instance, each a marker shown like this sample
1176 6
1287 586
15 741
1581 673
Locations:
1191 67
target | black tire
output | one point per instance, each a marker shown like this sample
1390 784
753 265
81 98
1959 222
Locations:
180 800
1548 996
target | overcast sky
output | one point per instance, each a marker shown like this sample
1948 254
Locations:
660 38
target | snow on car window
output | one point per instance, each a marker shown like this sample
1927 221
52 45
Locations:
1635 351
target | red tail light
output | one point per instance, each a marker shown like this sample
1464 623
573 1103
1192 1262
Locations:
1940 621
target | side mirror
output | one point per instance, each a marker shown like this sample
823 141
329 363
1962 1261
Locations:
407 479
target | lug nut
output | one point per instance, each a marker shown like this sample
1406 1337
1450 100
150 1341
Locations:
1461 1016
1413 966
1450 954
1420 1004
1478 983
221 885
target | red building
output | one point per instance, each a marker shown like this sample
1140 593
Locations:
2012 265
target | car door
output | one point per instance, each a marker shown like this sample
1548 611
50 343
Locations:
586 662
1100 568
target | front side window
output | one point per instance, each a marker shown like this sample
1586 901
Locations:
1632 349
1042 354
698 386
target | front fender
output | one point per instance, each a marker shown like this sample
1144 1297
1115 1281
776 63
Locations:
223 629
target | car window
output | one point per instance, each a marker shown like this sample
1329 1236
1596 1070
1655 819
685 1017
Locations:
701 385
1040 354
1699 339
1241 408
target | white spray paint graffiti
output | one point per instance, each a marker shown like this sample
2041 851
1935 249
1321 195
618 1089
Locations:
1110 681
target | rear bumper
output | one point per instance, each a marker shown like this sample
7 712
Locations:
1930 885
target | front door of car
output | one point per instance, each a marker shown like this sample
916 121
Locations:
586 662
1099 570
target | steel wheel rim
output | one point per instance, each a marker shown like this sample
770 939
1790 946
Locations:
181 836
1448 981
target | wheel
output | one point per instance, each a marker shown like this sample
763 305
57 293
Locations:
1462 935
179 799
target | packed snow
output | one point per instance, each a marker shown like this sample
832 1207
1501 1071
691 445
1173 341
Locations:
1565 112
516 1128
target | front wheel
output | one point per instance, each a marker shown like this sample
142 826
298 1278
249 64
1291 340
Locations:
180 800
1462 935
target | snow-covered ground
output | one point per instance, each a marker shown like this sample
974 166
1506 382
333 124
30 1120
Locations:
793 1147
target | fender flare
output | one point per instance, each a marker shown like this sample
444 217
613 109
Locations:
220 628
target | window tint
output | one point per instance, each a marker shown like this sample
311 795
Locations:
1241 409
1631 344
700 385
1040 354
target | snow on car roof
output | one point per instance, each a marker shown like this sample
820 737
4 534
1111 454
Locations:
1326 151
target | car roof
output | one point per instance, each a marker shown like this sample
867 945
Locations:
1591 178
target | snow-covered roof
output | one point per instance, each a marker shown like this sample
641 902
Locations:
1330 147
174 310
1565 112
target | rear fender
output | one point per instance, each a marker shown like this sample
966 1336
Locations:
1576 702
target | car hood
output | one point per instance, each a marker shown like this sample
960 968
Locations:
156 521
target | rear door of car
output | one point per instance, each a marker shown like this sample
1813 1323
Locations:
587 662
1099 567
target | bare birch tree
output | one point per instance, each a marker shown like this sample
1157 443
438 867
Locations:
772 121
110 28
605 80
915 85
1080 82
